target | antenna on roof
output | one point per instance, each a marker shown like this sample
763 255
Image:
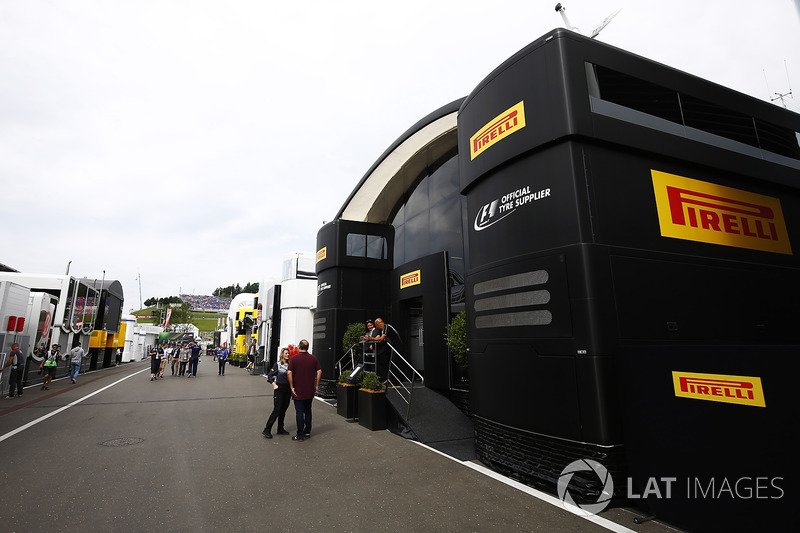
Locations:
781 96
595 32
599 28
563 11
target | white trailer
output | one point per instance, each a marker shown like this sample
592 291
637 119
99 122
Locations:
14 311
73 319
287 308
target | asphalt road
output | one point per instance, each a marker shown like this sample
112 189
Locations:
182 454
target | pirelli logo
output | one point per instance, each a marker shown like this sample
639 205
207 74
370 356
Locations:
699 211
322 254
742 390
500 127
410 279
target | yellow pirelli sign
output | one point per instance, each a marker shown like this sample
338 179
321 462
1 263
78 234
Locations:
742 390
509 121
322 254
410 279
705 212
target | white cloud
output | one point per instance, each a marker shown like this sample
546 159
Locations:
200 141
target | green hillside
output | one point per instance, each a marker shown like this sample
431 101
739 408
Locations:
205 322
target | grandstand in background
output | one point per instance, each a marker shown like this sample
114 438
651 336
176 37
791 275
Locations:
208 304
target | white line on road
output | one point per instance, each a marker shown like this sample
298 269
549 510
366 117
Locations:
76 402
547 498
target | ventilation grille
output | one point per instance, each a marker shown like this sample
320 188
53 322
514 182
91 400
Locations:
515 300
320 328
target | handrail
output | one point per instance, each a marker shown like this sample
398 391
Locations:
351 353
414 375
421 378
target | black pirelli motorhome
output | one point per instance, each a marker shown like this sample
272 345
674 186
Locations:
622 237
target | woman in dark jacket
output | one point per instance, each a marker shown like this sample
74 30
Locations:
155 362
280 383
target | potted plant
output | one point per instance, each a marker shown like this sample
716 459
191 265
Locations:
346 397
372 402
352 337
456 339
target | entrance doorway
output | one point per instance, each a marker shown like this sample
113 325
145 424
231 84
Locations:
415 339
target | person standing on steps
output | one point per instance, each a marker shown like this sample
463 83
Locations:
380 336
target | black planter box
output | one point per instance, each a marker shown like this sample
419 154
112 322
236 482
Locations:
372 409
347 400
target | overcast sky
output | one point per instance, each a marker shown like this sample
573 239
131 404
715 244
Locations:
197 142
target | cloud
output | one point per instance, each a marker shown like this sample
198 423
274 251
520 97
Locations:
198 142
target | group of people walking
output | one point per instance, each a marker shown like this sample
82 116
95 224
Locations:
293 377
48 365
182 360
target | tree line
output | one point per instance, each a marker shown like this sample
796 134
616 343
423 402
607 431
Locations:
231 291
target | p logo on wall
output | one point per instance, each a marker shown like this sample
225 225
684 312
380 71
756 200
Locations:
742 390
706 212
509 121
410 279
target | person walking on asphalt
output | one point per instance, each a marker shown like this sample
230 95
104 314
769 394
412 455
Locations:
162 360
49 364
176 352
304 374
17 363
194 358
76 356
154 362
222 357
184 360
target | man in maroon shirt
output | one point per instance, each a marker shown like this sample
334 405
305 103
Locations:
304 375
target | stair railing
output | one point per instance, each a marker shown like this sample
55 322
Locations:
342 364
409 376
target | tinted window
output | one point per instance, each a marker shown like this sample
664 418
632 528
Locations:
430 222
356 245
646 97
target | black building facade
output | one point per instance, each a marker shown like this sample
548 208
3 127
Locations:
620 235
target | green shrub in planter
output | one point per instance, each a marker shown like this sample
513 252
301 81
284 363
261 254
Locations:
352 335
371 382
346 397
372 403
344 378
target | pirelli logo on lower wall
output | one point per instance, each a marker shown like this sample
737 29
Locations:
706 212
743 390
410 279
322 254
